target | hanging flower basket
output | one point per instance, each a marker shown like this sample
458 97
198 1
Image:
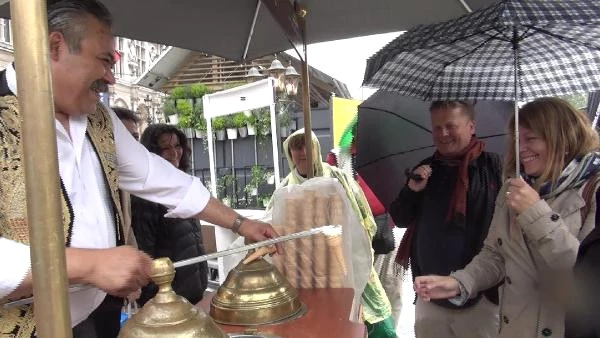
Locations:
173 119
231 133
220 135
284 131
243 131
189 132
200 133
251 129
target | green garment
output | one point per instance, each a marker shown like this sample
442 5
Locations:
375 304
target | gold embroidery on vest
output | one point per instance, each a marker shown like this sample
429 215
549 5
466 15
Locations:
19 321
100 130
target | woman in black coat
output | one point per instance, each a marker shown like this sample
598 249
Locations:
160 236
583 319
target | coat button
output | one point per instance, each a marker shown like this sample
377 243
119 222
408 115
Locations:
505 319
546 332
554 217
499 241
508 280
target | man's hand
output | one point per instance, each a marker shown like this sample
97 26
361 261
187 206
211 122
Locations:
424 171
257 231
118 271
436 287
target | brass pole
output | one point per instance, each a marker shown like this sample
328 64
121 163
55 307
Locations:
307 120
30 27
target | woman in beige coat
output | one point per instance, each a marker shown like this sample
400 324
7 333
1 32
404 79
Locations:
538 223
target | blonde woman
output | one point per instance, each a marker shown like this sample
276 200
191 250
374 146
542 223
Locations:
538 223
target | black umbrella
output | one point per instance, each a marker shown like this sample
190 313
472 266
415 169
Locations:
394 134
514 50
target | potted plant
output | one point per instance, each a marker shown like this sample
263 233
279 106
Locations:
200 128
226 189
198 120
284 123
170 111
263 122
218 124
198 90
239 120
178 92
230 127
186 117
264 200
257 177
251 122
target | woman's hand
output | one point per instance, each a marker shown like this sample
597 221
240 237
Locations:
436 287
520 196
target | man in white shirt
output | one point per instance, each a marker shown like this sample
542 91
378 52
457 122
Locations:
97 156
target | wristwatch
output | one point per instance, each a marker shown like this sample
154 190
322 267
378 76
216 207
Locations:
237 223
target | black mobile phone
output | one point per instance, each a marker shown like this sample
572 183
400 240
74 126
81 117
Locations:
413 176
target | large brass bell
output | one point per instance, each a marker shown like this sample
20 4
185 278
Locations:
167 314
253 294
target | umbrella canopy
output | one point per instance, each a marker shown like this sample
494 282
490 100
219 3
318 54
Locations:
551 47
223 27
394 134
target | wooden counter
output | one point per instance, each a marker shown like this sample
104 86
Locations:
326 316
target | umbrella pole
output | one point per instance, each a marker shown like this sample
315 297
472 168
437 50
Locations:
251 33
516 80
40 160
306 109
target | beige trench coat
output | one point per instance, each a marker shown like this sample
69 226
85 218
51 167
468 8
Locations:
534 256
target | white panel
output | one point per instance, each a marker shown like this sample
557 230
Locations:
250 96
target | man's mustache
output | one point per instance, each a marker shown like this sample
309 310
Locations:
100 86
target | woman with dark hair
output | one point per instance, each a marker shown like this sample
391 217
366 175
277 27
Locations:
161 236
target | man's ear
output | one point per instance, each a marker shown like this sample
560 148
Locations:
56 42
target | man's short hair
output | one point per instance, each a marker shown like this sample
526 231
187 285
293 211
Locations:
466 107
69 18
125 114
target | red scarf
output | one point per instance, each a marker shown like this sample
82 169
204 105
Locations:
457 210
458 204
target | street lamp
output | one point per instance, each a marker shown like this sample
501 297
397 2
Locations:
148 104
286 79
292 78
253 74
277 71
134 97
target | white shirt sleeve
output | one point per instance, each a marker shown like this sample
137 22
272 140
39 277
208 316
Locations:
14 269
150 177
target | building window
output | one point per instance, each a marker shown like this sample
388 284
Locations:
5 33
120 47
140 57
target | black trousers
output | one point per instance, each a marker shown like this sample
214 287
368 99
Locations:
104 322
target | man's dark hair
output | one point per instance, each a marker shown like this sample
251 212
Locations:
467 107
152 134
69 18
125 114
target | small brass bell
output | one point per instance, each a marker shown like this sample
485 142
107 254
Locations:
167 314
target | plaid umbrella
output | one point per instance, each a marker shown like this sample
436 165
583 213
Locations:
514 50
552 47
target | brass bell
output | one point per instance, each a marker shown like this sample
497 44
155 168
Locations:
253 294
167 314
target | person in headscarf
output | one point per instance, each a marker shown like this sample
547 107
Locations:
538 224
376 309
390 274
